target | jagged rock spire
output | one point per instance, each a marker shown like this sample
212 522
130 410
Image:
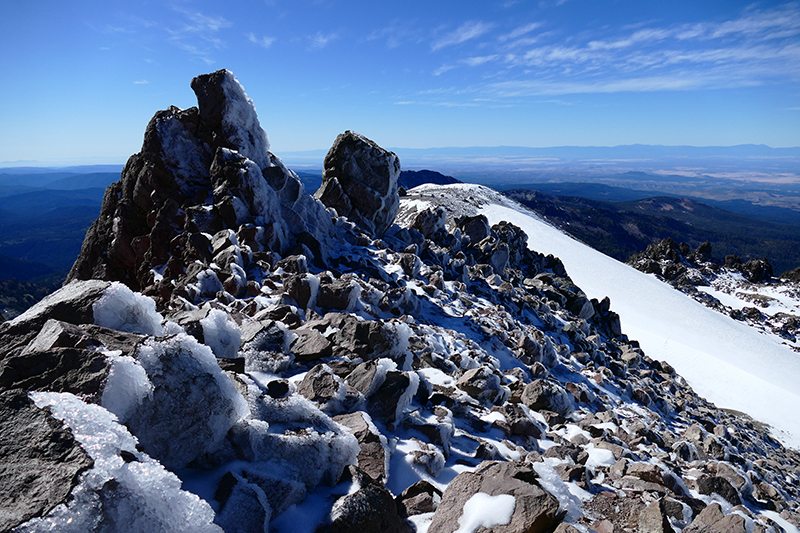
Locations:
200 170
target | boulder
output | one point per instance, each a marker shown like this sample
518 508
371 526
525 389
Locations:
242 505
373 458
506 497
483 383
369 509
324 388
419 498
475 227
712 520
73 303
546 395
360 181
192 405
429 222
40 461
719 485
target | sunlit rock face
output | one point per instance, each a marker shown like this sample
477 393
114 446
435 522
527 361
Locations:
353 363
201 170
360 182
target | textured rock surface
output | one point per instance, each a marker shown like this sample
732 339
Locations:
535 510
39 460
200 170
360 181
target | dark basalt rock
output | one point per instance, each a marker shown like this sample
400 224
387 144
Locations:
40 461
370 509
360 182
200 170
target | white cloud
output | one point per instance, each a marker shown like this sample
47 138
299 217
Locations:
141 82
480 60
264 42
321 40
520 31
465 32
441 70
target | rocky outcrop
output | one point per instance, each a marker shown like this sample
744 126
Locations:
690 270
39 460
360 181
293 367
202 170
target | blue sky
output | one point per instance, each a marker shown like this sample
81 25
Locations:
81 79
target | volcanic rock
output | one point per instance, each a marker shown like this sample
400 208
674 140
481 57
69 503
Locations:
360 182
534 510
40 461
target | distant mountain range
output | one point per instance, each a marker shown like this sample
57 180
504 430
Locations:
622 228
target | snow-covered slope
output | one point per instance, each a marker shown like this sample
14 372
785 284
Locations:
729 363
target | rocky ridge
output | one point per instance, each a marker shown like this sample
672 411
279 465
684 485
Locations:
747 291
227 333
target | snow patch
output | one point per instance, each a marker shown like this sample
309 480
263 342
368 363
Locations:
483 510
124 310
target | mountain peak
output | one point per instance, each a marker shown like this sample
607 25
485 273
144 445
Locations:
357 361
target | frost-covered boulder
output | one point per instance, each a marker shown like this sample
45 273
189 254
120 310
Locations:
293 434
40 461
505 497
370 508
543 394
360 182
125 490
175 399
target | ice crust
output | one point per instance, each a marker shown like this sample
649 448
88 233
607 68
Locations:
192 405
240 123
221 334
127 386
293 432
124 310
116 495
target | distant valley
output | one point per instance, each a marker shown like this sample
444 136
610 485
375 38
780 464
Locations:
44 213
622 228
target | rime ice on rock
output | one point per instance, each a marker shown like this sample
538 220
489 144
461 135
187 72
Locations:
200 170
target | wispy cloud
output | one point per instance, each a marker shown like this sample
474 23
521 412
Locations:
397 33
444 68
320 40
194 32
141 82
465 32
756 48
264 42
479 60
520 31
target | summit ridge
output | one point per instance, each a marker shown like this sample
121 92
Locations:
231 353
